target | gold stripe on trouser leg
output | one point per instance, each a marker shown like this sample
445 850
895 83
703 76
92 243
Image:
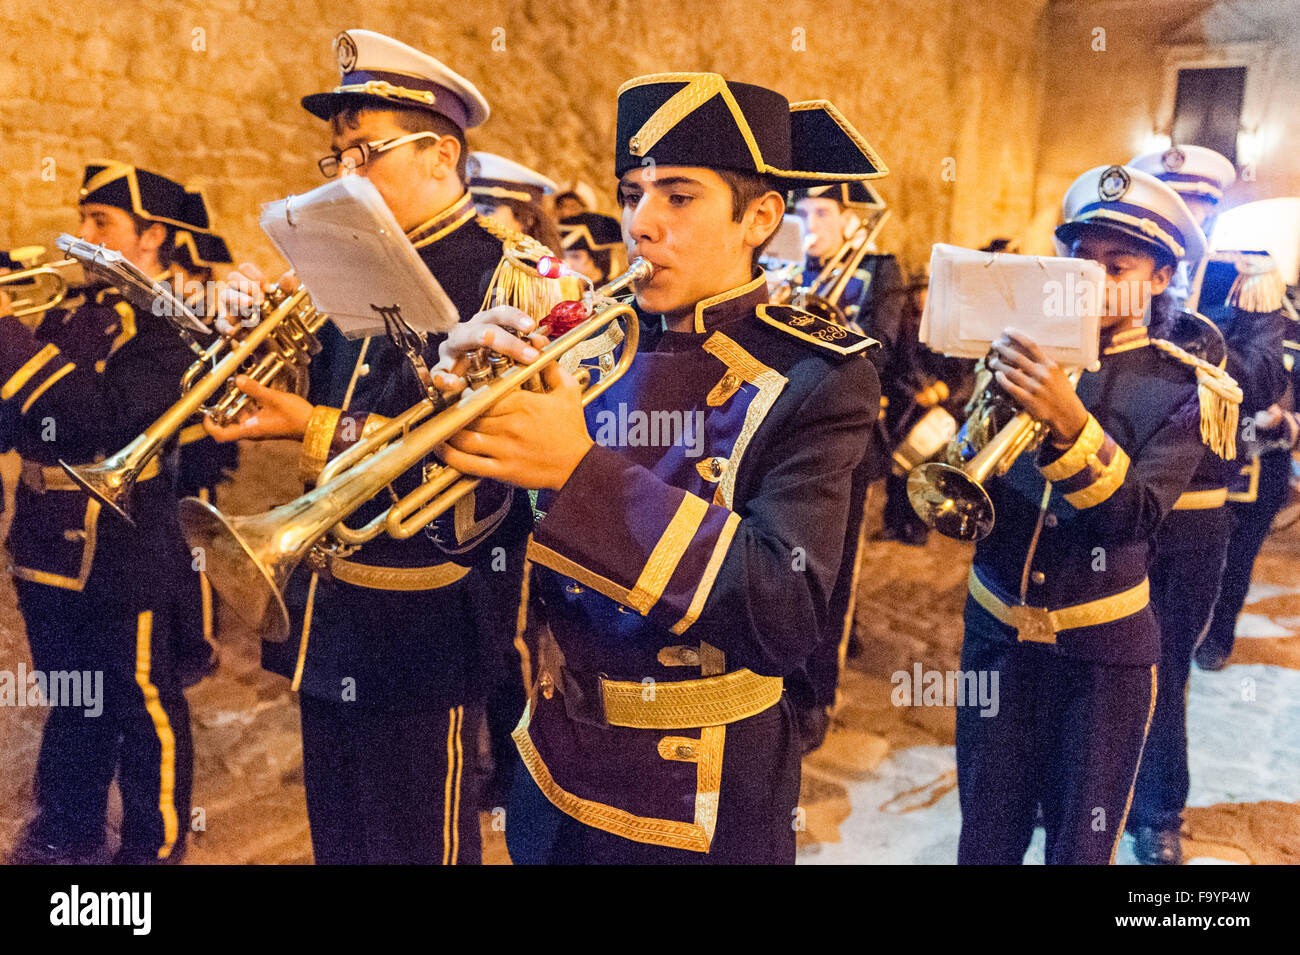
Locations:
455 805
166 740
842 653
306 629
1151 712
451 790
205 588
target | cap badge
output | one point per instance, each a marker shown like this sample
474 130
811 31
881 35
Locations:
346 48
1115 182
1173 159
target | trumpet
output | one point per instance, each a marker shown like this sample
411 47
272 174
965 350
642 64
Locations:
286 333
39 288
250 559
951 497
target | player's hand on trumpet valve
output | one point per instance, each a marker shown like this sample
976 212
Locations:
240 295
532 439
496 329
1038 385
271 414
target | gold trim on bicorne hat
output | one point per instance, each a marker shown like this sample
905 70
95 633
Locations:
579 232
860 195
119 184
700 119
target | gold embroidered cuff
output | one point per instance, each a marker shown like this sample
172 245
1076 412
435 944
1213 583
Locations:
316 442
1075 457
1108 481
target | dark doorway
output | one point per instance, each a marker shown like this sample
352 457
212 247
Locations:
1207 108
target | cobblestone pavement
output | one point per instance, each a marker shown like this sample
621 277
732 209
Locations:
882 788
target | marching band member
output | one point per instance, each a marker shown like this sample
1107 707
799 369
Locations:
1192 546
387 643
832 213
512 193
588 241
1058 602
97 594
678 589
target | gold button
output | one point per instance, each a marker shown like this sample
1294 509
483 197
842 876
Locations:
686 752
572 588
688 657
1037 577
546 684
730 382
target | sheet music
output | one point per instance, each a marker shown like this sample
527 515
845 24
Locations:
355 261
975 296
156 298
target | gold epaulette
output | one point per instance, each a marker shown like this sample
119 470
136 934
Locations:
1259 286
808 327
1220 400
515 281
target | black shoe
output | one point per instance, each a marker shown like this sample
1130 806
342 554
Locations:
1211 658
814 722
1157 846
36 849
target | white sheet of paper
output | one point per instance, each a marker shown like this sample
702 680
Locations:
354 259
975 296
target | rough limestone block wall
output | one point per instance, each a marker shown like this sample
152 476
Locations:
208 90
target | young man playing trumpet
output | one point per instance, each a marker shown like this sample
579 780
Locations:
1058 603
679 582
97 595
389 644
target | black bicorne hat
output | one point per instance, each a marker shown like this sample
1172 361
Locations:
860 195
138 191
590 231
699 119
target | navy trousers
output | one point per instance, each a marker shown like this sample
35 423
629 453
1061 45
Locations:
1067 735
1190 551
1251 525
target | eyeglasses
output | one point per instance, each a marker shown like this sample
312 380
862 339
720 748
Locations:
354 157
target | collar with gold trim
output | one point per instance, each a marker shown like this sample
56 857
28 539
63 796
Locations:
443 223
1126 340
726 307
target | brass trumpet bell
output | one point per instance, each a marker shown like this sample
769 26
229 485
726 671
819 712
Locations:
111 480
950 502
36 290
245 562
248 560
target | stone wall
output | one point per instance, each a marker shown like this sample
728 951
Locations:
208 90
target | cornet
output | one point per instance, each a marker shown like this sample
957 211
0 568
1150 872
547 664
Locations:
285 333
39 288
951 497
249 559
